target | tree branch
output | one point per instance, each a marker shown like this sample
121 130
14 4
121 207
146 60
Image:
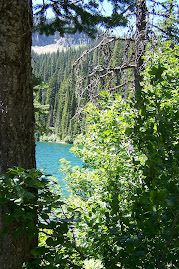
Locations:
171 235
103 43
161 4
121 85
73 265
69 244
110 70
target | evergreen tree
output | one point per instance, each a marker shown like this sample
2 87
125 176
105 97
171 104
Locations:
17 145
170 24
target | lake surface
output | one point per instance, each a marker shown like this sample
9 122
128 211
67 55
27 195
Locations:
48 156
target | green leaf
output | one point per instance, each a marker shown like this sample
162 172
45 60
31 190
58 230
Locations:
19 201
29 195
52 242
39 251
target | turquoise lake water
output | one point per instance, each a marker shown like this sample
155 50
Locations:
48 156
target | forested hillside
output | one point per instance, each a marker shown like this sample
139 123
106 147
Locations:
62 120
55 70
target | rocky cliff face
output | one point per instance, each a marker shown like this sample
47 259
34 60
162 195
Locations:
48 44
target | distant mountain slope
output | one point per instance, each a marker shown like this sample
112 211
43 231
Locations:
48 44
62 93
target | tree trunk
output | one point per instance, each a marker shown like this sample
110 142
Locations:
139 47
17 145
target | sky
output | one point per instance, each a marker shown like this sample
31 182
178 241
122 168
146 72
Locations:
35 2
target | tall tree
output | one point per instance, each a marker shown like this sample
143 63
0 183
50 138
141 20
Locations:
17 145
141 11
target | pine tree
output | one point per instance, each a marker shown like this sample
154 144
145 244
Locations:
170 24
17 145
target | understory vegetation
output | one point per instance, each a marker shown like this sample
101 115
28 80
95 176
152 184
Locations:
127 192
123 208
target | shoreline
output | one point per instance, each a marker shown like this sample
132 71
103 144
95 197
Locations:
55 142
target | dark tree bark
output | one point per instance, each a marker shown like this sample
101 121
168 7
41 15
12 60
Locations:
140 41
17 145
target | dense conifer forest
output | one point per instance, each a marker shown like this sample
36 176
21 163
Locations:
58 91
55 70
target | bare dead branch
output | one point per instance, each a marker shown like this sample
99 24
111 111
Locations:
164 15
103 43
120 86
110 70
161 4
158 3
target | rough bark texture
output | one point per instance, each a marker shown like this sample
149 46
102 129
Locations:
17 146
139 46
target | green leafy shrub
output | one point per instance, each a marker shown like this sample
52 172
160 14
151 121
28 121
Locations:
68 139
32 194
127 191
